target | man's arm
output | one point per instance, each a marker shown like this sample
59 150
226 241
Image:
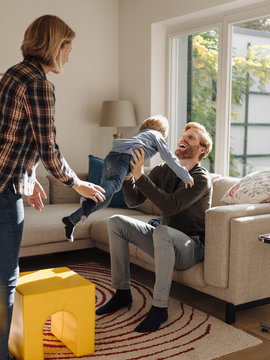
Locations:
169 201
133 197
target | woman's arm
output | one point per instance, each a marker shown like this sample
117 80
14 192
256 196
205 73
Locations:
40 106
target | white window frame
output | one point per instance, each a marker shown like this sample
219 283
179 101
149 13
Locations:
223 22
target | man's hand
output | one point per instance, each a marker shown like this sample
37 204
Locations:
128 177
89 190
190 184
137 163
35 200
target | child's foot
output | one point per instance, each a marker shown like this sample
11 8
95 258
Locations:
69 227
153 320
120 299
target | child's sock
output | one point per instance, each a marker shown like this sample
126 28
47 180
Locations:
154 319
69 227
87 207
120 299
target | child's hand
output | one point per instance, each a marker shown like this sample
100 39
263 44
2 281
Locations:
191 183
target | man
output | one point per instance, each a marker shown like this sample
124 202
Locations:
179 241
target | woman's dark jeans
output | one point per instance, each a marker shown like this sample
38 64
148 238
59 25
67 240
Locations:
11 228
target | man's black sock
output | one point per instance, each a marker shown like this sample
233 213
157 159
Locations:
153 320
120 299
69 228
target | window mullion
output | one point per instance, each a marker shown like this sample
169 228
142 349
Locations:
223 102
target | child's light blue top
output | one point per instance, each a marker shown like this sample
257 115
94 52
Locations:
152 142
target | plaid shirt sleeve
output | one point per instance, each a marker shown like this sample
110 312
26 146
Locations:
40 105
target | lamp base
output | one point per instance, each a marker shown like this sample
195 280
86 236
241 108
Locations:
118 136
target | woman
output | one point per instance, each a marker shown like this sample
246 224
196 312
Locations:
27 134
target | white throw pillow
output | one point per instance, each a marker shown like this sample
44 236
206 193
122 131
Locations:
252 189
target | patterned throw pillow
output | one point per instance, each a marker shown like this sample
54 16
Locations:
252 189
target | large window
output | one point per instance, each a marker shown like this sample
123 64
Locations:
194 83
250 97
231 102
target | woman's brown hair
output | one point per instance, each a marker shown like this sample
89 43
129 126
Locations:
44 38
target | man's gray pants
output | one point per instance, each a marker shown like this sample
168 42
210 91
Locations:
169 247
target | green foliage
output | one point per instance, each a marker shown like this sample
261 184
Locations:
246 71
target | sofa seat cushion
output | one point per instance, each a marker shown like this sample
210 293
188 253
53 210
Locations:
194 276
46 226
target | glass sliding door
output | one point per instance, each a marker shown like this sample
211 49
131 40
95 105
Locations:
250 97
193 84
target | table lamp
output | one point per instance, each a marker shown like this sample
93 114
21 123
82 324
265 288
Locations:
117 113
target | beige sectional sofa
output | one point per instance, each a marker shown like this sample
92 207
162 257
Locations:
236 266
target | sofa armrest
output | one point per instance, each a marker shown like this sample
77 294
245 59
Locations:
249 269
218 239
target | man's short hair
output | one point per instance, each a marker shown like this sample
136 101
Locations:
205 141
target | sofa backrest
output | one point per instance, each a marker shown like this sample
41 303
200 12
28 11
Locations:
62 194
59 193
220 187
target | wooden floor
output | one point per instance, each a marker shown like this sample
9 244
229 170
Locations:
247 320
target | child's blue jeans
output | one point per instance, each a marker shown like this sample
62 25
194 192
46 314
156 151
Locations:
115 168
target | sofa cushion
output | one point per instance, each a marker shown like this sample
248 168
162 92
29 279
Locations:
94 176
61 193
220 186
193 276
45 226
252 189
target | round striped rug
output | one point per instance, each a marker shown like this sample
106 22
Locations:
188 334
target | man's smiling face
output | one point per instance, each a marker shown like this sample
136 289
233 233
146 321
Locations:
189 145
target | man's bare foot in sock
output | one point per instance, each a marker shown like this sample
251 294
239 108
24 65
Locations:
122 298
153 320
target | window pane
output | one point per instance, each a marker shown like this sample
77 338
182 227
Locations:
250 122
193 83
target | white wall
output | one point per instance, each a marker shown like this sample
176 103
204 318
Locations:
143 26
103 65
137 18
90 77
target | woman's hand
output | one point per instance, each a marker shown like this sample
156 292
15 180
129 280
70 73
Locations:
137 163
89 190
35 200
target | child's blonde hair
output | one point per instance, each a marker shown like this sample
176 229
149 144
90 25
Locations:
158 123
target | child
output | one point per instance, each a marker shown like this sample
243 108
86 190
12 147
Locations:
151 137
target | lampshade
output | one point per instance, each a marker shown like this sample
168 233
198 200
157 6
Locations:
117 113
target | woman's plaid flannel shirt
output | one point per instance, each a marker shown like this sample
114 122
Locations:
27 131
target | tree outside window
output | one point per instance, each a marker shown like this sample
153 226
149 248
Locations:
250 75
